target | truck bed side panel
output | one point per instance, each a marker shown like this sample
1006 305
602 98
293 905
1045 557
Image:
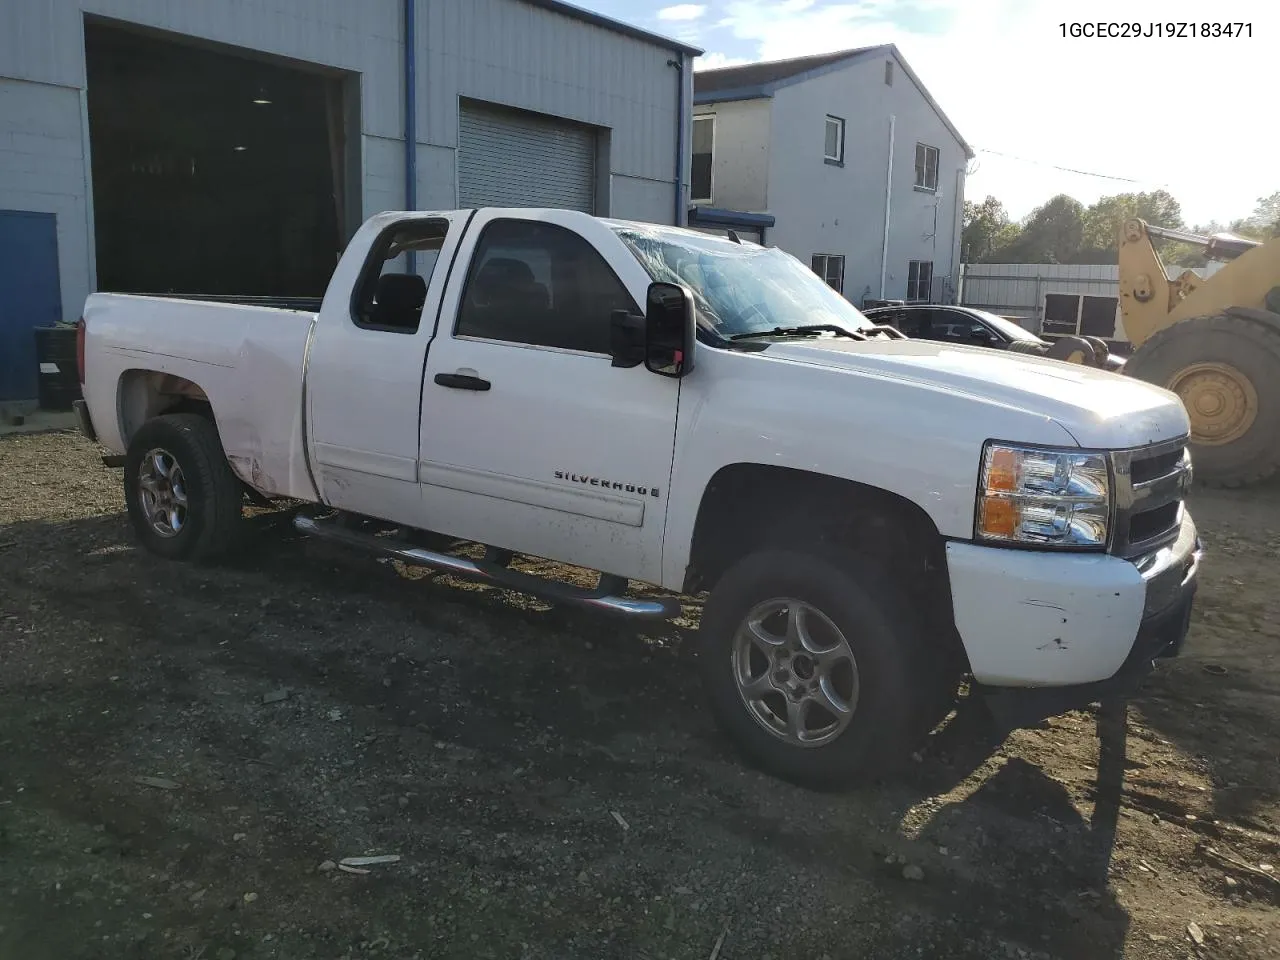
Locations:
247 360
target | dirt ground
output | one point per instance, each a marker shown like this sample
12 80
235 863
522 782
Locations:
184 752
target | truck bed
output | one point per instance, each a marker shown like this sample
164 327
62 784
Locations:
247 359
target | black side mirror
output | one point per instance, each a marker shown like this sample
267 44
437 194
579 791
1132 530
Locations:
669 330
626 339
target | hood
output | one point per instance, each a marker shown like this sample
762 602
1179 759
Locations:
1099 409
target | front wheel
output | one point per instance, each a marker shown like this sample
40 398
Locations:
813 666
183 498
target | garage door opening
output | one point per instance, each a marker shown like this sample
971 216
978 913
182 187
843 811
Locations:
213 173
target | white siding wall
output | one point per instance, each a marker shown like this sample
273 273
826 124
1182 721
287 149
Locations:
740 157
840 210
504 51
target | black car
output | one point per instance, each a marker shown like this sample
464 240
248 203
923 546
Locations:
965 325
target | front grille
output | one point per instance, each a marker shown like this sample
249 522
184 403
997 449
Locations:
1151 484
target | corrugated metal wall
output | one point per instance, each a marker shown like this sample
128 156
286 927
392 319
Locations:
502 51
1018 290
518 159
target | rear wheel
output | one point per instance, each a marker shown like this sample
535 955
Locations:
1226 370
812 666
183 498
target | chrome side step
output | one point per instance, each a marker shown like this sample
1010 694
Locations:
607 596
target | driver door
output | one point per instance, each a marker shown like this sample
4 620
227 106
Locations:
531 439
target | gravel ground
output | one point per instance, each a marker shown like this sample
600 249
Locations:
185 752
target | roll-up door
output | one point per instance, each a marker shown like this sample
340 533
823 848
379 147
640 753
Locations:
515 159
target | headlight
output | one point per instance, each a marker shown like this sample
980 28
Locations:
1050 498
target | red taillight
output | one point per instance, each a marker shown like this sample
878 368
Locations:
80 349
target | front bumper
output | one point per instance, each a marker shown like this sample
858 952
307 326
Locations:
1046 633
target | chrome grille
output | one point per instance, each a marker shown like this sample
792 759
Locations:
1151 484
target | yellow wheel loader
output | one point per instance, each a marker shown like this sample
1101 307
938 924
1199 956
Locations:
1215 342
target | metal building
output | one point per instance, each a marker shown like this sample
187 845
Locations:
1055 299
231 147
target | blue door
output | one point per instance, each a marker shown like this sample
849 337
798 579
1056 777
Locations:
30 296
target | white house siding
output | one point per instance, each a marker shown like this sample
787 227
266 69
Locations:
841 210
740 157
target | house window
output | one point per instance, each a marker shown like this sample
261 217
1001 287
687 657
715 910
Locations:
704 137
830 267
834 151
919 280
926 167
888 73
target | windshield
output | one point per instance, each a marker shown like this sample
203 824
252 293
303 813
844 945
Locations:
1007 327
741 288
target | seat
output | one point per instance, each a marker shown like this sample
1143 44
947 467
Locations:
398 301
505 301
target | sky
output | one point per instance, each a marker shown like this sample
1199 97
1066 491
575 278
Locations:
1194 116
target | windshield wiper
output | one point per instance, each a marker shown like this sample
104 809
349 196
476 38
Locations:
809 330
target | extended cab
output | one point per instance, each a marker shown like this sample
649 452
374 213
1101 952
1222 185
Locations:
872 516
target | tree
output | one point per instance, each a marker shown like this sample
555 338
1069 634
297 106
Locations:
1264 222
1052 233
1102 221
987 231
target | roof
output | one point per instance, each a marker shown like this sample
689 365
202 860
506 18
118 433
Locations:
599 20
754 81
769 72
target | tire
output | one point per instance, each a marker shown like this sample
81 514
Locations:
1245 450
883 633
1065 348
1100 351
210 525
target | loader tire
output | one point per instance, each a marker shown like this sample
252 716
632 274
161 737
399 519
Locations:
1226 370
183 498
1072 350
1100 351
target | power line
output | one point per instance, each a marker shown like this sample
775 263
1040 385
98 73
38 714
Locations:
1054 166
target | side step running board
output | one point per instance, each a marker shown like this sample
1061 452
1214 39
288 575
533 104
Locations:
660 608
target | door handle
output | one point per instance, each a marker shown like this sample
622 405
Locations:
462 381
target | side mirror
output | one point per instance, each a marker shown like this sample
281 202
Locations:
981 335
626 339
669 330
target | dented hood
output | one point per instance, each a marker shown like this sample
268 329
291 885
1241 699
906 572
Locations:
1099 409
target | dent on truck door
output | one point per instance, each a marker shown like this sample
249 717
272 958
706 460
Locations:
364 371
531 439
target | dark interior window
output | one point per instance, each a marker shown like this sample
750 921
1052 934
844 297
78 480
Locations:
538 283
1061 312
1098 317
389 296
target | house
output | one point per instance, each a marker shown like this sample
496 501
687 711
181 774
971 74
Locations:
843 160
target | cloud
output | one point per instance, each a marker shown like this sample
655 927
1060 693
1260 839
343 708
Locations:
682 11
1010 81
715 61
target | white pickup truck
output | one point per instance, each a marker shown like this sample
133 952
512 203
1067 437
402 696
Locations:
873 517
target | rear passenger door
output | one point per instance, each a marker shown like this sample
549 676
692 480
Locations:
531 439
364 369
